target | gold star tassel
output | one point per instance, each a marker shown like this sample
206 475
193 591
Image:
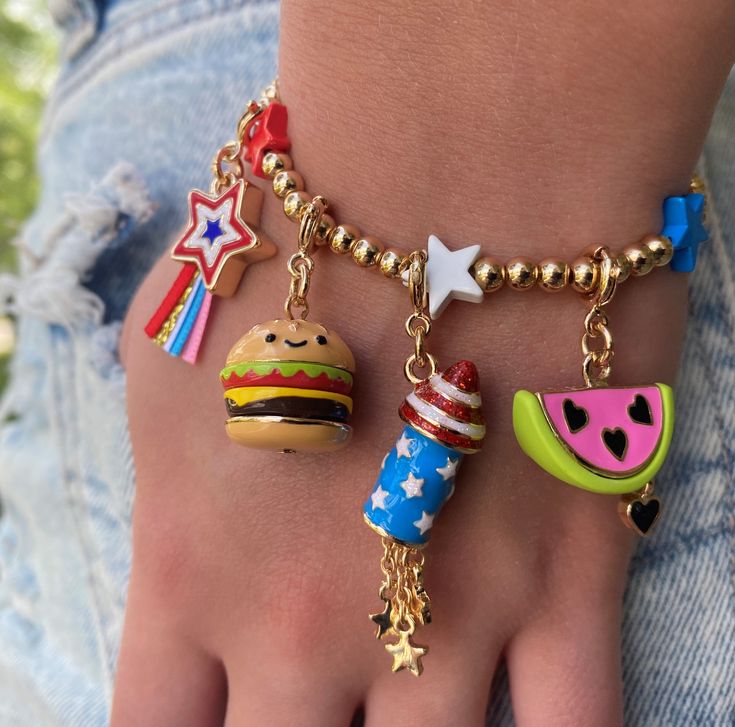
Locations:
406 604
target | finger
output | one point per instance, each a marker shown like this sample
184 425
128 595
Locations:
306 701
565 669
452 690
164 680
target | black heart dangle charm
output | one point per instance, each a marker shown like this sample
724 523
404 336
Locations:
640 510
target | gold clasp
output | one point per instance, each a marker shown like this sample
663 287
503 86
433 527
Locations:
301 265
418 324
310 219
245 124
609 272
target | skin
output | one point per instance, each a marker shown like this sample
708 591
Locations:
534 129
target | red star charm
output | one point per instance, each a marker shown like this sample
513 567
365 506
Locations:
218 238
271 134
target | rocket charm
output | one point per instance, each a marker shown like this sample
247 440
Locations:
444 422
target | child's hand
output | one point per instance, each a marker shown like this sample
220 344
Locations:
253 572
535 129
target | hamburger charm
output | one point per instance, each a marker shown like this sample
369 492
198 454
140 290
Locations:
287 388
288 381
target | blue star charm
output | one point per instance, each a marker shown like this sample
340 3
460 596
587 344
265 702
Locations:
683 226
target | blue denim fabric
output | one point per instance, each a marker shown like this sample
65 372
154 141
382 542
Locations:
144 96
135 70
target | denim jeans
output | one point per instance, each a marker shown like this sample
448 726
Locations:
147 91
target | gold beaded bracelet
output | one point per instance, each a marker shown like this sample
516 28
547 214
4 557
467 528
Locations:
288 381
551 274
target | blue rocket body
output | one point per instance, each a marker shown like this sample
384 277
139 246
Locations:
416 479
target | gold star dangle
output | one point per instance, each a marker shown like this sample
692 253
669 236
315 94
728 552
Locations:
406 655
382 620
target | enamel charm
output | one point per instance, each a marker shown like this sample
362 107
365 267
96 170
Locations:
287 388
606 439
218 243
610 440
443 422
288 382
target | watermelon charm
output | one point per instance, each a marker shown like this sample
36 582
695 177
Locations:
607 439
610 440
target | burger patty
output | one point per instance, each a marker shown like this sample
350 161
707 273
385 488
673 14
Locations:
300 407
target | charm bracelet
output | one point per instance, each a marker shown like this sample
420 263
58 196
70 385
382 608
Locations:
288 381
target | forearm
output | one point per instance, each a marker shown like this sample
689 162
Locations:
532 128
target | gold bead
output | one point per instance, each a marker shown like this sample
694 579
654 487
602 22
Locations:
366 252
294 203
624 268
660 248
489 274
640 259
553 275
274 163
390 263
521 274
287 181
584 274
324 229
342 238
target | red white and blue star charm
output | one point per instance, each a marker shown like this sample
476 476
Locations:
216 246
219 239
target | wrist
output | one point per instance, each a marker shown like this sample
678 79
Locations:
544 161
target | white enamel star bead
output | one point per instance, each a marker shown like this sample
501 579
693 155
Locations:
425 522
449 470
378 498
403 448
413 486
448 277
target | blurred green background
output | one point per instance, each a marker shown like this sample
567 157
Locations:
27 68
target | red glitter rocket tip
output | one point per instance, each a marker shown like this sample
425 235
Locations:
464 376
448 408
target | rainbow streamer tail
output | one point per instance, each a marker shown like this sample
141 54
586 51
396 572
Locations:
179 322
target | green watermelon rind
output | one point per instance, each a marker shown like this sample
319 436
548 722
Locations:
537 439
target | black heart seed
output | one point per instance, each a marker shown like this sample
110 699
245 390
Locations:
575 416
644 514
616 441
639 411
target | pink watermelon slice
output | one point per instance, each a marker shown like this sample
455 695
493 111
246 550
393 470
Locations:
606 439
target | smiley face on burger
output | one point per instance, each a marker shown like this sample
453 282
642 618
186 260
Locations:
287 388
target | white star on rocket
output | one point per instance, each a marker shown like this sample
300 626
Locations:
402 446
378 498
412 486
449 470
448 277
425 522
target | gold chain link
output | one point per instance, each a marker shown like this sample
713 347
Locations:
418 324
227 166
301 265
403 587
597 340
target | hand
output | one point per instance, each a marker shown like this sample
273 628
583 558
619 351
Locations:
253 573
254 570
